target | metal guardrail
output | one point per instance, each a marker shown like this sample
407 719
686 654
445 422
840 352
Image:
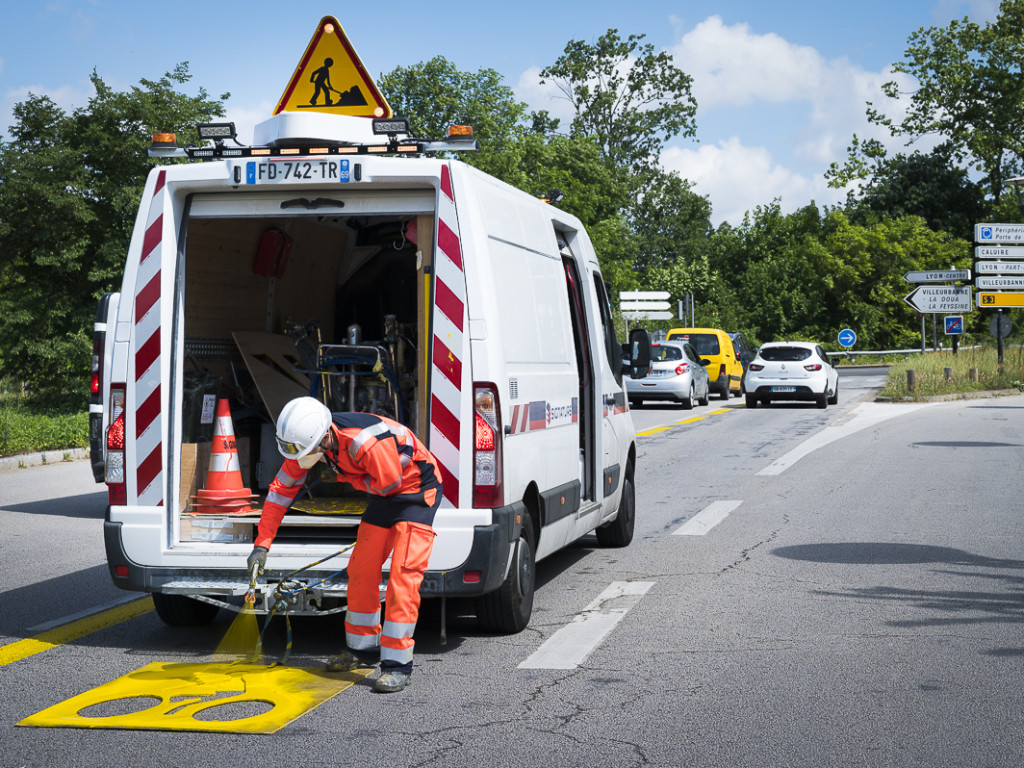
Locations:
905 352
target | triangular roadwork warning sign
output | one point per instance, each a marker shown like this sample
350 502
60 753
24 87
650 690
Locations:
330 78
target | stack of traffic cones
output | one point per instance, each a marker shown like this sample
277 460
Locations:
224 493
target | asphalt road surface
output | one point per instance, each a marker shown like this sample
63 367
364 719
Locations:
838 587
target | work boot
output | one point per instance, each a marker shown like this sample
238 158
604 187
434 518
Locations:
346 661
391 681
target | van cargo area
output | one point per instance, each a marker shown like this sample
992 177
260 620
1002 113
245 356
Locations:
276 308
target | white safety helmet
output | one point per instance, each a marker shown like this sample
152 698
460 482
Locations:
301 426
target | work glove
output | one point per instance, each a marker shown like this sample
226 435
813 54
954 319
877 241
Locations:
257 559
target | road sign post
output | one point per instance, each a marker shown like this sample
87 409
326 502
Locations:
954 327
940 298
937 275
996 300
644 305
998 234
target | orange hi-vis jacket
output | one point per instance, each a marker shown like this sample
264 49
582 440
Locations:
375 454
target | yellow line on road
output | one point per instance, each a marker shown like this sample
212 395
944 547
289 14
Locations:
51 638
654 431
691 420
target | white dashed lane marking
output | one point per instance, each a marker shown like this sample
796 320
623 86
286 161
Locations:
569 646
707 518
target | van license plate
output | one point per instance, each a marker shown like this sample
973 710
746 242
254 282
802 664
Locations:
783 389
276 171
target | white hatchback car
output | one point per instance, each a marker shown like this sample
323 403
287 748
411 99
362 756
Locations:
792 370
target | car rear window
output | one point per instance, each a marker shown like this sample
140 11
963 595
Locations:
703 343
785 354
659 353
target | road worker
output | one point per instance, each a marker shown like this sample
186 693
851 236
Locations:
385 459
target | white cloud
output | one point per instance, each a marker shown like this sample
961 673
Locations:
794 111
731 66
778 115
737 178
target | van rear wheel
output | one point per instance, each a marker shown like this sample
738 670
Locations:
507 609
181 611
619 532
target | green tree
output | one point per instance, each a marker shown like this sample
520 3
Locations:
809 274
436 94
969 93
69 191
921 185
626 96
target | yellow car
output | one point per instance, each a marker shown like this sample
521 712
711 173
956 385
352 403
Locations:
714 345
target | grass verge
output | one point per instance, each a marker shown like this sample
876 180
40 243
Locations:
943 373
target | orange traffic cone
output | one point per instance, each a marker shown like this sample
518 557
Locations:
224 493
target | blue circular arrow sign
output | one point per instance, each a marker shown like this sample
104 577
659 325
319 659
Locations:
847 338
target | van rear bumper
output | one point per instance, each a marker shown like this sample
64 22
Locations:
483 570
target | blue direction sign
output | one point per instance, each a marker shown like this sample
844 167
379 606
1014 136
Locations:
954 324
847 338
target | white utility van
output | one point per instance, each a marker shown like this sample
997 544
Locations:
333 260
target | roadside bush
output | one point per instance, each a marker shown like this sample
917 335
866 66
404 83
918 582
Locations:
26 428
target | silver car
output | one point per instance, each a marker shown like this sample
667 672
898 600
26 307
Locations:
677 374
791 370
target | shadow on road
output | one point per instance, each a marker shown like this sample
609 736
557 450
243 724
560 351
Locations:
948 607
86 505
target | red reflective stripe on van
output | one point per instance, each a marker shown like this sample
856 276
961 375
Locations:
149 470
446 182
147 297
449 485
147 390
449 303
147 413
152 238
445 421
147 355
447 362
448 242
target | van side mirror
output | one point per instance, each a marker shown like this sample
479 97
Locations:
638 353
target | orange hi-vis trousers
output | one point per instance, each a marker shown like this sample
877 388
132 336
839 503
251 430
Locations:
409 545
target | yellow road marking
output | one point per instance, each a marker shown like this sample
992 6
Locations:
252 698
691 420
653 431
51 638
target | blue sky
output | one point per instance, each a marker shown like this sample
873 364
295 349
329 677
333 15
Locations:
780 86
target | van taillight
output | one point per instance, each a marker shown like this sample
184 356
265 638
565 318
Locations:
114 474
487 475
98 340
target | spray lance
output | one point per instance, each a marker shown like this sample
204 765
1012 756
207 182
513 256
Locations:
254 573
285 588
